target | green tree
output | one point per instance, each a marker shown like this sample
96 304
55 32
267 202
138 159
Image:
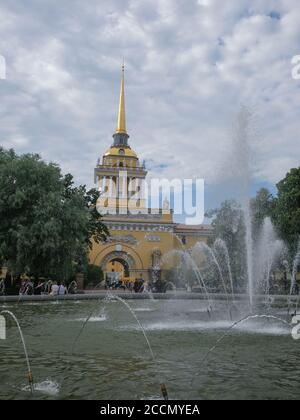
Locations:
228 224
287 209
262 206
94 275
47 224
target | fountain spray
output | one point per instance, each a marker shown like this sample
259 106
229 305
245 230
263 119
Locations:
296 262
29 373
109 296
242 136
2 287
241 321
163 387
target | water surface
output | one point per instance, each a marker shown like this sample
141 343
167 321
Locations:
257 360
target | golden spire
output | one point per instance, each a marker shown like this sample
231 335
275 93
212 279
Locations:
121 127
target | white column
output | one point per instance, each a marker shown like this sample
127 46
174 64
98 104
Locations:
110 187
103 184
117 186
124 187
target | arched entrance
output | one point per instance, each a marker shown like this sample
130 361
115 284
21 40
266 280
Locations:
116 267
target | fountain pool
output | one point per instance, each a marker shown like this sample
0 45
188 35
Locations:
258 359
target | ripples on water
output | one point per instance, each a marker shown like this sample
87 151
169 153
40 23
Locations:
47 387
259 359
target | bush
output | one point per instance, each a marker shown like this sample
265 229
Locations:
94 275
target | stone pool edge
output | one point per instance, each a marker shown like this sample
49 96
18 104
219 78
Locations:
126 295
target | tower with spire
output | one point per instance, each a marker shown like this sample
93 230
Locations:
120 174
139 236
121 136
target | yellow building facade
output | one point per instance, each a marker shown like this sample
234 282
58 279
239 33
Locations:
140 238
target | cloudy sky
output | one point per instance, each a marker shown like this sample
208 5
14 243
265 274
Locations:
190 65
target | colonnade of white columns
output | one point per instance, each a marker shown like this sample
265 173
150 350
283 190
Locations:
111 185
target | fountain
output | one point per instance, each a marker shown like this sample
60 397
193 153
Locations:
29 372
109 297
185 330
235 324
204 248
29 289
242 173
220 244
295 265
170 286
293 275
187 262
262 256
269 250
163 387
47 287
72 288
2 287
184 335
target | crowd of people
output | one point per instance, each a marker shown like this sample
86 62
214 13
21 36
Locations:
139 285
52 288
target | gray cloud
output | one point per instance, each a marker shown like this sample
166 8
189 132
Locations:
189 66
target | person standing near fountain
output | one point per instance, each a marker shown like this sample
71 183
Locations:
22 287
54 289
62 290
139 284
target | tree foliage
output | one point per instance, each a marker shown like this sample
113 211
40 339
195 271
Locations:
47 224
283 210
228 224
262 206
94 275
287 208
